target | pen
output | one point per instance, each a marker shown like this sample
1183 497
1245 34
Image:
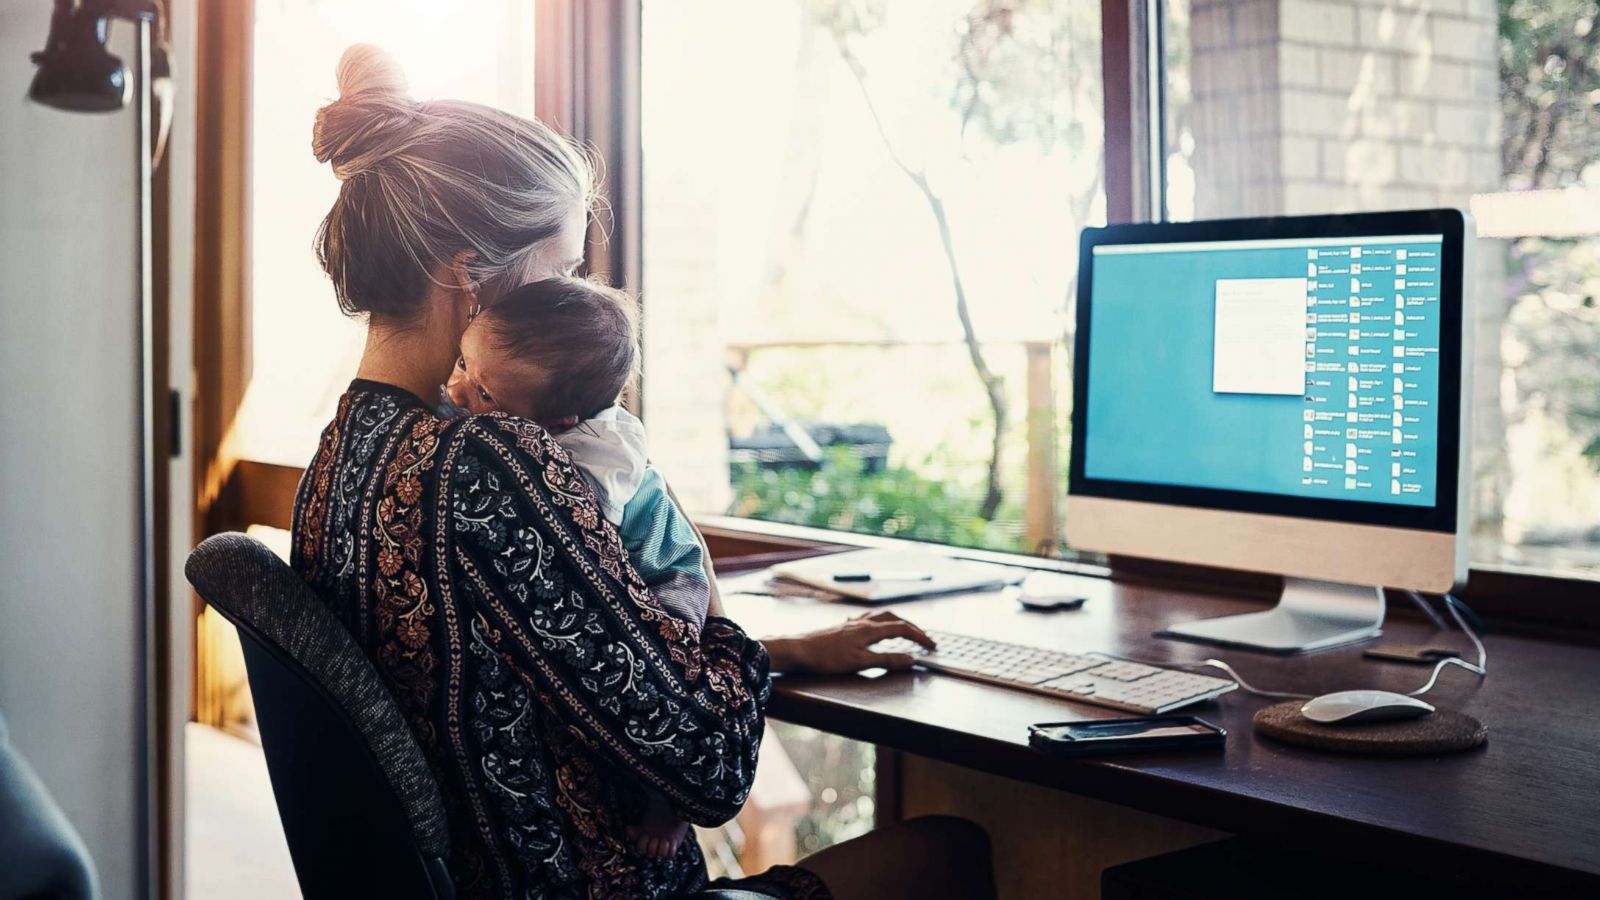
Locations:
883 576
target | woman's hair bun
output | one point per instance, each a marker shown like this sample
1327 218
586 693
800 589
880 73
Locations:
373 117
364 67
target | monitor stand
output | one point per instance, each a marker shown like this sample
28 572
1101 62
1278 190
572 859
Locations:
1312 615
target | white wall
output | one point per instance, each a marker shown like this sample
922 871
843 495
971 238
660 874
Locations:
68 609
180 164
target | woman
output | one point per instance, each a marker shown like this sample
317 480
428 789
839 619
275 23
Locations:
545 683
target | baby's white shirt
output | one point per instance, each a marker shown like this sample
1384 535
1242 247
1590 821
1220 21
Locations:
610 450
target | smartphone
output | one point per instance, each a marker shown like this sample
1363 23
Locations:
1122 735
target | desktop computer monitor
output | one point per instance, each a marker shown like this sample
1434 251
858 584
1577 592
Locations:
1281 395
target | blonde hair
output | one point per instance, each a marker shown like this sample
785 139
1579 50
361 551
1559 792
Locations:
423 182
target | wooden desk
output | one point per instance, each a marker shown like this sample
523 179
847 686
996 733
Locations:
1525 808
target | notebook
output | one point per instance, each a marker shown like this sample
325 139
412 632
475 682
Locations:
878 575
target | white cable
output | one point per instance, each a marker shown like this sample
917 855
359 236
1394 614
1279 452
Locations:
1427 610
1434 678
1211 664
1453 605
1481 669
1246 686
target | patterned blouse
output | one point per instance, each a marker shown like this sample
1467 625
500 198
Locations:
546 685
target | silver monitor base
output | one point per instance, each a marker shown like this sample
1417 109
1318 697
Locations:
1312 615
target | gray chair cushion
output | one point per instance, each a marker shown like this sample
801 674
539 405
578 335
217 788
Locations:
248 582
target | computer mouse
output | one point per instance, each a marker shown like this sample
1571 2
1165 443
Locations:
1048 592
1362 707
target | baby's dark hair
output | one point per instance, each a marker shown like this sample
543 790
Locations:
581 336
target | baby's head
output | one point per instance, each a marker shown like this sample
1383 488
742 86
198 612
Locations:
556 351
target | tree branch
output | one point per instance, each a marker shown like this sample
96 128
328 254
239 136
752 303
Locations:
1080 215
993 384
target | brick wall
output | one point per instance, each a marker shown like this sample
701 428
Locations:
1340 105
685 386
1304 106
685 383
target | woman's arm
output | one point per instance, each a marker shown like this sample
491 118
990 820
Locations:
557 598
837 650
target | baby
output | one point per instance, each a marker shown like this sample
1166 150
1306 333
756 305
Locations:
559 352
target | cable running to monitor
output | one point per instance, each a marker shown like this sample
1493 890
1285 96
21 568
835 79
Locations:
1451 605
1481 670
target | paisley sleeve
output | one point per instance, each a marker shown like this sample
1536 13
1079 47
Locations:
551 587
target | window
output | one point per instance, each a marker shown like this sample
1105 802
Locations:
1309 106
303 350
811 363
860 247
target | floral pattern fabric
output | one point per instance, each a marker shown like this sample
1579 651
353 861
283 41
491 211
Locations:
546 684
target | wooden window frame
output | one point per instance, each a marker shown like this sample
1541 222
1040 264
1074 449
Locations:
224 57
588 69
587 59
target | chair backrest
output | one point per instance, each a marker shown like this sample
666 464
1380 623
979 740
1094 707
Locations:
360 808
41 856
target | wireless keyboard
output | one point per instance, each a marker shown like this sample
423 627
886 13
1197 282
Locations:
1085 677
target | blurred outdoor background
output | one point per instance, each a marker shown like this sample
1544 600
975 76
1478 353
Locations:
874 227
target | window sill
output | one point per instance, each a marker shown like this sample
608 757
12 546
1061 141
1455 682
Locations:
1560 608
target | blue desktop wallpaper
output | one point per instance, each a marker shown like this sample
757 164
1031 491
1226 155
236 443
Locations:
1153 416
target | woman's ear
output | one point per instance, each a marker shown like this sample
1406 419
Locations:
465 286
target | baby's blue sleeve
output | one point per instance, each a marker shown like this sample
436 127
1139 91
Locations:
665 550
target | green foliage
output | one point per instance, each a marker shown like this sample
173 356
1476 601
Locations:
1549 91
896 502
1029 71
1554 333
1550 110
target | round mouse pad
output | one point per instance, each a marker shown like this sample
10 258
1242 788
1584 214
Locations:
1442 731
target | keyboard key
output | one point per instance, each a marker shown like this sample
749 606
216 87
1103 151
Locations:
1126 671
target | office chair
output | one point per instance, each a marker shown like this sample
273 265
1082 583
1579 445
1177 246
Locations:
41 856
361 811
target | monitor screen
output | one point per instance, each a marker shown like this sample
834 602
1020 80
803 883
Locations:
1285 369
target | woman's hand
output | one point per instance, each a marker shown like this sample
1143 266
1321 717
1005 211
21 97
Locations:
846 647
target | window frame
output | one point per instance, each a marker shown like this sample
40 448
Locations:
588 60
